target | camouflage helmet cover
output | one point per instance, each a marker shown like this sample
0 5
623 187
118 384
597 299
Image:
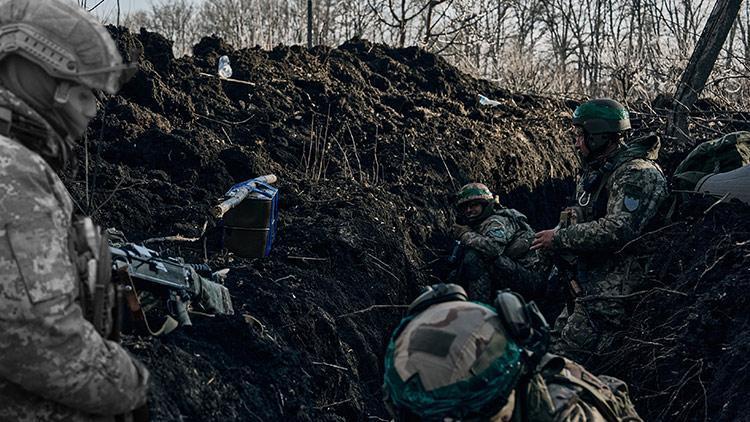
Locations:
62 38
473 191
602 115
453 359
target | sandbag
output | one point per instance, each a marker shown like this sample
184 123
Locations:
735 183
720 155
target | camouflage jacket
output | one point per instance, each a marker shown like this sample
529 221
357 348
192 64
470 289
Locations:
505 232
53 365
624 197
564 391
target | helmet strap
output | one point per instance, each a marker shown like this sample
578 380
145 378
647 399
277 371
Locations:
62 92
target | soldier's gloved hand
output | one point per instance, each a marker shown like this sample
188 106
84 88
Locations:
458 230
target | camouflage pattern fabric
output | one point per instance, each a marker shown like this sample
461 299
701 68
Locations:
564 391
629 198
449 342
212 296
454 341
54 366
498 256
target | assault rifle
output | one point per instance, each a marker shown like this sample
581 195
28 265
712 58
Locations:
141 271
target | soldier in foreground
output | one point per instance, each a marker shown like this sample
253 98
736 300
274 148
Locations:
619 191
54 364
494 242
454 360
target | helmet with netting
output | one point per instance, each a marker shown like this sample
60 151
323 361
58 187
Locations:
451 360
65 40
473 192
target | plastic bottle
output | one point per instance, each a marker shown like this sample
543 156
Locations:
225 70
487 102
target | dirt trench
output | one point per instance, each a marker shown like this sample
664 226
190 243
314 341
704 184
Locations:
368 143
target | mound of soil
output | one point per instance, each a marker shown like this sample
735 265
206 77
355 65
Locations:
368 142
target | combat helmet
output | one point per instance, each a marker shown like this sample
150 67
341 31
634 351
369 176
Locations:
450 358
599 118
472 192
65 40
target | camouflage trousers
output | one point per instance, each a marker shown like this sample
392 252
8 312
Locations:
598 317
482 277
590 329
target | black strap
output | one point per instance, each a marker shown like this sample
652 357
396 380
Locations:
6 121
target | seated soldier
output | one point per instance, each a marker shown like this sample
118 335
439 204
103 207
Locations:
495 243
455 360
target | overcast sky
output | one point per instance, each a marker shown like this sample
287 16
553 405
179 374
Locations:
109 7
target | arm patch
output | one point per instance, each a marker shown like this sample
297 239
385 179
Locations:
633 197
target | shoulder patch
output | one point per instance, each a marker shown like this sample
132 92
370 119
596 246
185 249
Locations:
632 198
497 233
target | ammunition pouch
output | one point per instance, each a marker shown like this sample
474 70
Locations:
97 294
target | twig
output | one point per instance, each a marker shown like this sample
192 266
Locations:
111 195
307 258
376 164
285 278
453 182
331 365
237 81
332 404
647 234
97 5
711 267
631 295
225 122
227 135
346 159
356 155
372 308
175 238
383 266
726 195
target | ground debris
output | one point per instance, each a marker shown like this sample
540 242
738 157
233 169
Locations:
369 143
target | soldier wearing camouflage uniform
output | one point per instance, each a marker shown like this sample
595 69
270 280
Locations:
454 360
618 194
495 242
54 365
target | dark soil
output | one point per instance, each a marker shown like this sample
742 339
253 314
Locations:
368 143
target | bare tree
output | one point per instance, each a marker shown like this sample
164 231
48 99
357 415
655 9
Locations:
175 19
701 64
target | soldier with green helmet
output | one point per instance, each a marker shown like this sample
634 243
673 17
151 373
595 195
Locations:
495 243
619 190
454 360
54 364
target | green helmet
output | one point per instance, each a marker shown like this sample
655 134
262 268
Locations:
599 117
452 359
473 191
602 115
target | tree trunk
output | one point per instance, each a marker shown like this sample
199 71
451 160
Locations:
701 64
309 23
